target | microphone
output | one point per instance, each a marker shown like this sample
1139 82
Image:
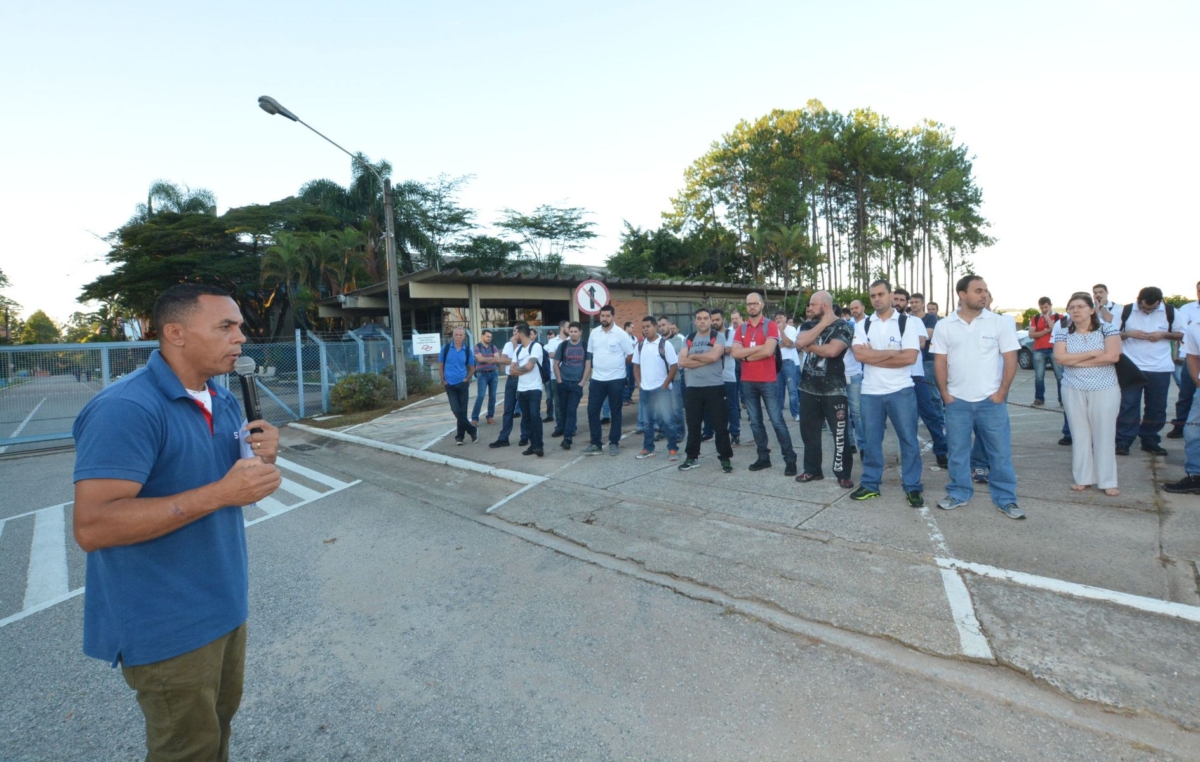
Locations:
245 367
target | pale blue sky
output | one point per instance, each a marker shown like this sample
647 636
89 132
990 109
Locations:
1082 115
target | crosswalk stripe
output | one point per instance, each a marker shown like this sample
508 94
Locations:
271 506
299 490
47 578
316 476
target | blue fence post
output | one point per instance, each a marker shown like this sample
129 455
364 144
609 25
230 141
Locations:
362 358
300 371
323 361
105 367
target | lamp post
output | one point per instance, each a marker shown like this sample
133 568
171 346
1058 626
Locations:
272 106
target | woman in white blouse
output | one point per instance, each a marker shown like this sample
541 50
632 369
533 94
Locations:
1088 350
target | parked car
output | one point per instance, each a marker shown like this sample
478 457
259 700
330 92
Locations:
1025 353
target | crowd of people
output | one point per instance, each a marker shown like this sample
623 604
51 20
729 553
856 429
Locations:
853 374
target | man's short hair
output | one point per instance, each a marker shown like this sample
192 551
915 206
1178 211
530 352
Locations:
486 332
882 282
177 302
577 324
716 311
1045 300
965 282
779 313
524 329
1100 285
901 291
628 323
649 319
705 310
564 323
609 309
1150 295
917 295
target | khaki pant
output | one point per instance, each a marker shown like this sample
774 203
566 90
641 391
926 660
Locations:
189 700
1092 415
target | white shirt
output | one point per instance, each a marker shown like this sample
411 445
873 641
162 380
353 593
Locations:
654 370
1149 356
853 366
608 351
1191 340
509 353
729 374
203 397
1114 309
531 381
790 353
885 334
1185 317
973 351
551 351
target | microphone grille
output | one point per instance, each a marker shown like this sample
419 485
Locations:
244 366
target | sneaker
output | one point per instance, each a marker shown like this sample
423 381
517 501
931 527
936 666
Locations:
727 465
639 431
1065 441
1175 433
950 503
566 444
864 493
517 414
672 454
1154 449
528 451
605 420
943 461
1039 403
523 442
789 469
556 433
1122 450
612 450
474 421
474 436
548 419
854 449
1188 485
735 440
593 449
458 441
540 453
846 483
659 437
708 437
645 454
689 464
807 477
915 499
1011 510
979 475
760 464
499 443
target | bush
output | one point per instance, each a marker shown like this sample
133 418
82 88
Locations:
362 391
417 376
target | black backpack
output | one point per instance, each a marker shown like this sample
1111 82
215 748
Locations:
867 326
763 326
544 366
712 340
662 351
1127 310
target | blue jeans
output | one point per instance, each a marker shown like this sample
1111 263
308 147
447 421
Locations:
1040 358
979 461
569 394
1147 425
485 382
600 392
854 399
733 406
1187 392
789 383
931 409
766 393
1191 439
552 409
901 409
677 404
660 412
989 422
510 407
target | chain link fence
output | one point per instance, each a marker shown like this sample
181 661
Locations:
43 387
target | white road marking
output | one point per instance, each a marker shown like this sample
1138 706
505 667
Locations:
501 502
47 577
316 476
271 506
40 607
1152 605
438 438
962 609
17 431
277 508
299 490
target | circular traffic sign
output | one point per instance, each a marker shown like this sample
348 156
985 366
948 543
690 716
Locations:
590 296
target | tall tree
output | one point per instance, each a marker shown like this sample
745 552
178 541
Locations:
548 234
166 196
446 222
40 329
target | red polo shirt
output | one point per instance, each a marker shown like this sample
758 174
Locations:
1039 323
756 336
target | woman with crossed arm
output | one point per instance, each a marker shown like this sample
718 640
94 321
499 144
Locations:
1088 350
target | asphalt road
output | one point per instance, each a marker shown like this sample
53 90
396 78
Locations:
392 620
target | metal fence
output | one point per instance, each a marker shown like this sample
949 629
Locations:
43 387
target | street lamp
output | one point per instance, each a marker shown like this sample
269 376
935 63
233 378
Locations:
272 106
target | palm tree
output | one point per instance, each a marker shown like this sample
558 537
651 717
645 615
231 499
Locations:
286 264
175 198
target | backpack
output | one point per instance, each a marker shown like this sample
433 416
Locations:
662 351
712 340
446 350
544 366
763 326
867 326
1127 310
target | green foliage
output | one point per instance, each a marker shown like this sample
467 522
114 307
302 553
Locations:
40 329
417 377
484 252
1028 315
1176 300
362 391
547 235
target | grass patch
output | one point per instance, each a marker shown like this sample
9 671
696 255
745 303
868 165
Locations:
364 416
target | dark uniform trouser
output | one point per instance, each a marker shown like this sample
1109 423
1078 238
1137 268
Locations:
817 410
700 402
189 700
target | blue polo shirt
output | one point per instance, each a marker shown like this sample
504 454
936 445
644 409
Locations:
455 362
158 599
